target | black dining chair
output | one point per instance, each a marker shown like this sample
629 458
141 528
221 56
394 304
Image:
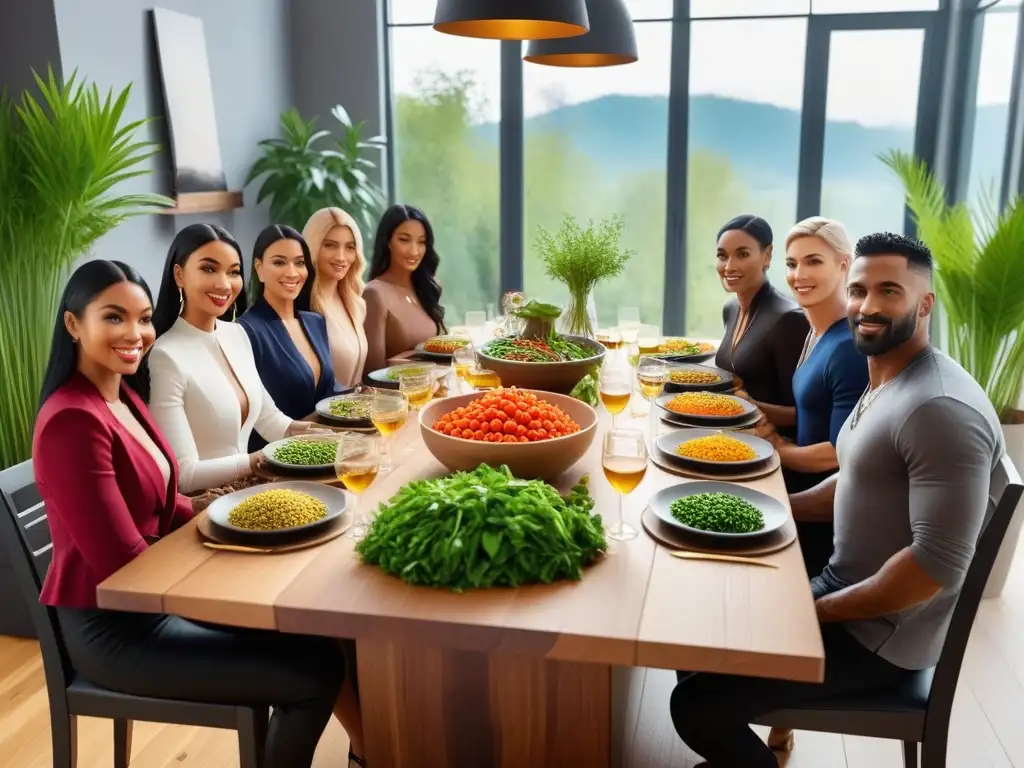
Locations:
918 711
23 530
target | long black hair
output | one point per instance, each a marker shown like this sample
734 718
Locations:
424 280
267 238
185 243
85 284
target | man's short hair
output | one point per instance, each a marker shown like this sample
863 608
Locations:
887 243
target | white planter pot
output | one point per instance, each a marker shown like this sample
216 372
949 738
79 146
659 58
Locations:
1014 436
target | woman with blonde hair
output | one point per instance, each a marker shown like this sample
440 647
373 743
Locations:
830 377
336 245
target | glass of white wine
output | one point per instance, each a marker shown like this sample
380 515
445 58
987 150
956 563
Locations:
357 463
418 388
614 389
648 339
651 375
624 461
629 324
464 360
389 411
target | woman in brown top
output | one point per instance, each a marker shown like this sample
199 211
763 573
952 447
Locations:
403 297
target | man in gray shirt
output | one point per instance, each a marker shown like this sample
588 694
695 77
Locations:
916 459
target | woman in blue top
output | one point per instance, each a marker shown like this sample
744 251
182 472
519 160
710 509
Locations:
289 342
831 374
830 377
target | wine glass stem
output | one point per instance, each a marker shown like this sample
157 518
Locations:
387 451
621 526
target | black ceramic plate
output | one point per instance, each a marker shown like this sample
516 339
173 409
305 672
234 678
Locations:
774 511
746 405
726 381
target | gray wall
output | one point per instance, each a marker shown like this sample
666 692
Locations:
112 43
337 58
28 40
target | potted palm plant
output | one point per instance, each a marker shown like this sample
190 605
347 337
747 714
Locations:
61 156
303 172
979 282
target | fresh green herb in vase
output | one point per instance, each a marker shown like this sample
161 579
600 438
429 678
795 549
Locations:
580 258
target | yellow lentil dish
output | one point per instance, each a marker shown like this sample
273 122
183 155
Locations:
276 509
694 377
704 404
716 448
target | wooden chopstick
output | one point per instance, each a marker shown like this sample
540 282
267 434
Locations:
684 555
236 548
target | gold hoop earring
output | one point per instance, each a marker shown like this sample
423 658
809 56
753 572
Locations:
181 301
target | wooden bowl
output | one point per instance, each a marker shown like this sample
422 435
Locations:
543 459
546 377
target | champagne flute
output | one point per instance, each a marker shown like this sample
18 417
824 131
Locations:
357 463
629 324
624 461
388 412
418 388
614 389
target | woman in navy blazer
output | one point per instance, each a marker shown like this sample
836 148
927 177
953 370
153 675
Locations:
109 482
289 343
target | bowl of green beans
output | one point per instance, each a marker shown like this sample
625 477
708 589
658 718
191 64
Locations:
713 509
555 365
305 455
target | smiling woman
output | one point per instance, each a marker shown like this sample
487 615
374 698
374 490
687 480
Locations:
205 392
289 343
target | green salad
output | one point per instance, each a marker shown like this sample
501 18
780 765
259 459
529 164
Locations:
484 528
350 408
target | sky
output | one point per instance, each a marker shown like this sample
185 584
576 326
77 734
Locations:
873 75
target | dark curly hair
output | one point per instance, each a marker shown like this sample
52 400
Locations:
914 251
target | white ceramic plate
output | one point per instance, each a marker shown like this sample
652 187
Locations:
774 511
334 498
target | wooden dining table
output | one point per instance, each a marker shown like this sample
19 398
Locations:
539 675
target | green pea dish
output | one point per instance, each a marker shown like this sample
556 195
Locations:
719 510
312 455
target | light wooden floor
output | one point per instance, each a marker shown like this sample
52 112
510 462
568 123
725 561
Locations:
987 729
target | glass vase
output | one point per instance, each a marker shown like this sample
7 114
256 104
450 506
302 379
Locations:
580 316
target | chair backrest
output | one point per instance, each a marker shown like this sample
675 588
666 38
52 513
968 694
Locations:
1007 489
23 530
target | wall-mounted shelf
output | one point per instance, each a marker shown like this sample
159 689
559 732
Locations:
204 202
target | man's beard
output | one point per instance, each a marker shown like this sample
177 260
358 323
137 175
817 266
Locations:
895 333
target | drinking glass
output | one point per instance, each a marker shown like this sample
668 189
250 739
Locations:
624 461
475 320
629 324
357 462
614 389
388 412
610 338
651 375
481 378
417 387
464 360
648 339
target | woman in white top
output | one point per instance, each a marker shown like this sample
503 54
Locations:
336 244
205 393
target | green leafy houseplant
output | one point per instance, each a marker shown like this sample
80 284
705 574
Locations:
580 258
61 155
304 173
979 280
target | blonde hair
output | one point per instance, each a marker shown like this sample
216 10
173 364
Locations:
832 232
351 286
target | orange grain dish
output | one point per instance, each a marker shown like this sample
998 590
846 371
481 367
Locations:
444 345
507 416
704 404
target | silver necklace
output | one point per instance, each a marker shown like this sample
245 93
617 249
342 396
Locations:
871 395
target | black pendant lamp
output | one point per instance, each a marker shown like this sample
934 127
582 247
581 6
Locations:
511 19
610 41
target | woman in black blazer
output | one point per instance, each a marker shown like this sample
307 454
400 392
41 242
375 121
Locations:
764 330
289 343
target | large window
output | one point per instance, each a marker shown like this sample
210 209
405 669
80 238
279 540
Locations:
746 86
991 119
445 121
787 105
595 146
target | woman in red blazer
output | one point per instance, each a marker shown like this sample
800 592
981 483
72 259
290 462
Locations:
109 482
